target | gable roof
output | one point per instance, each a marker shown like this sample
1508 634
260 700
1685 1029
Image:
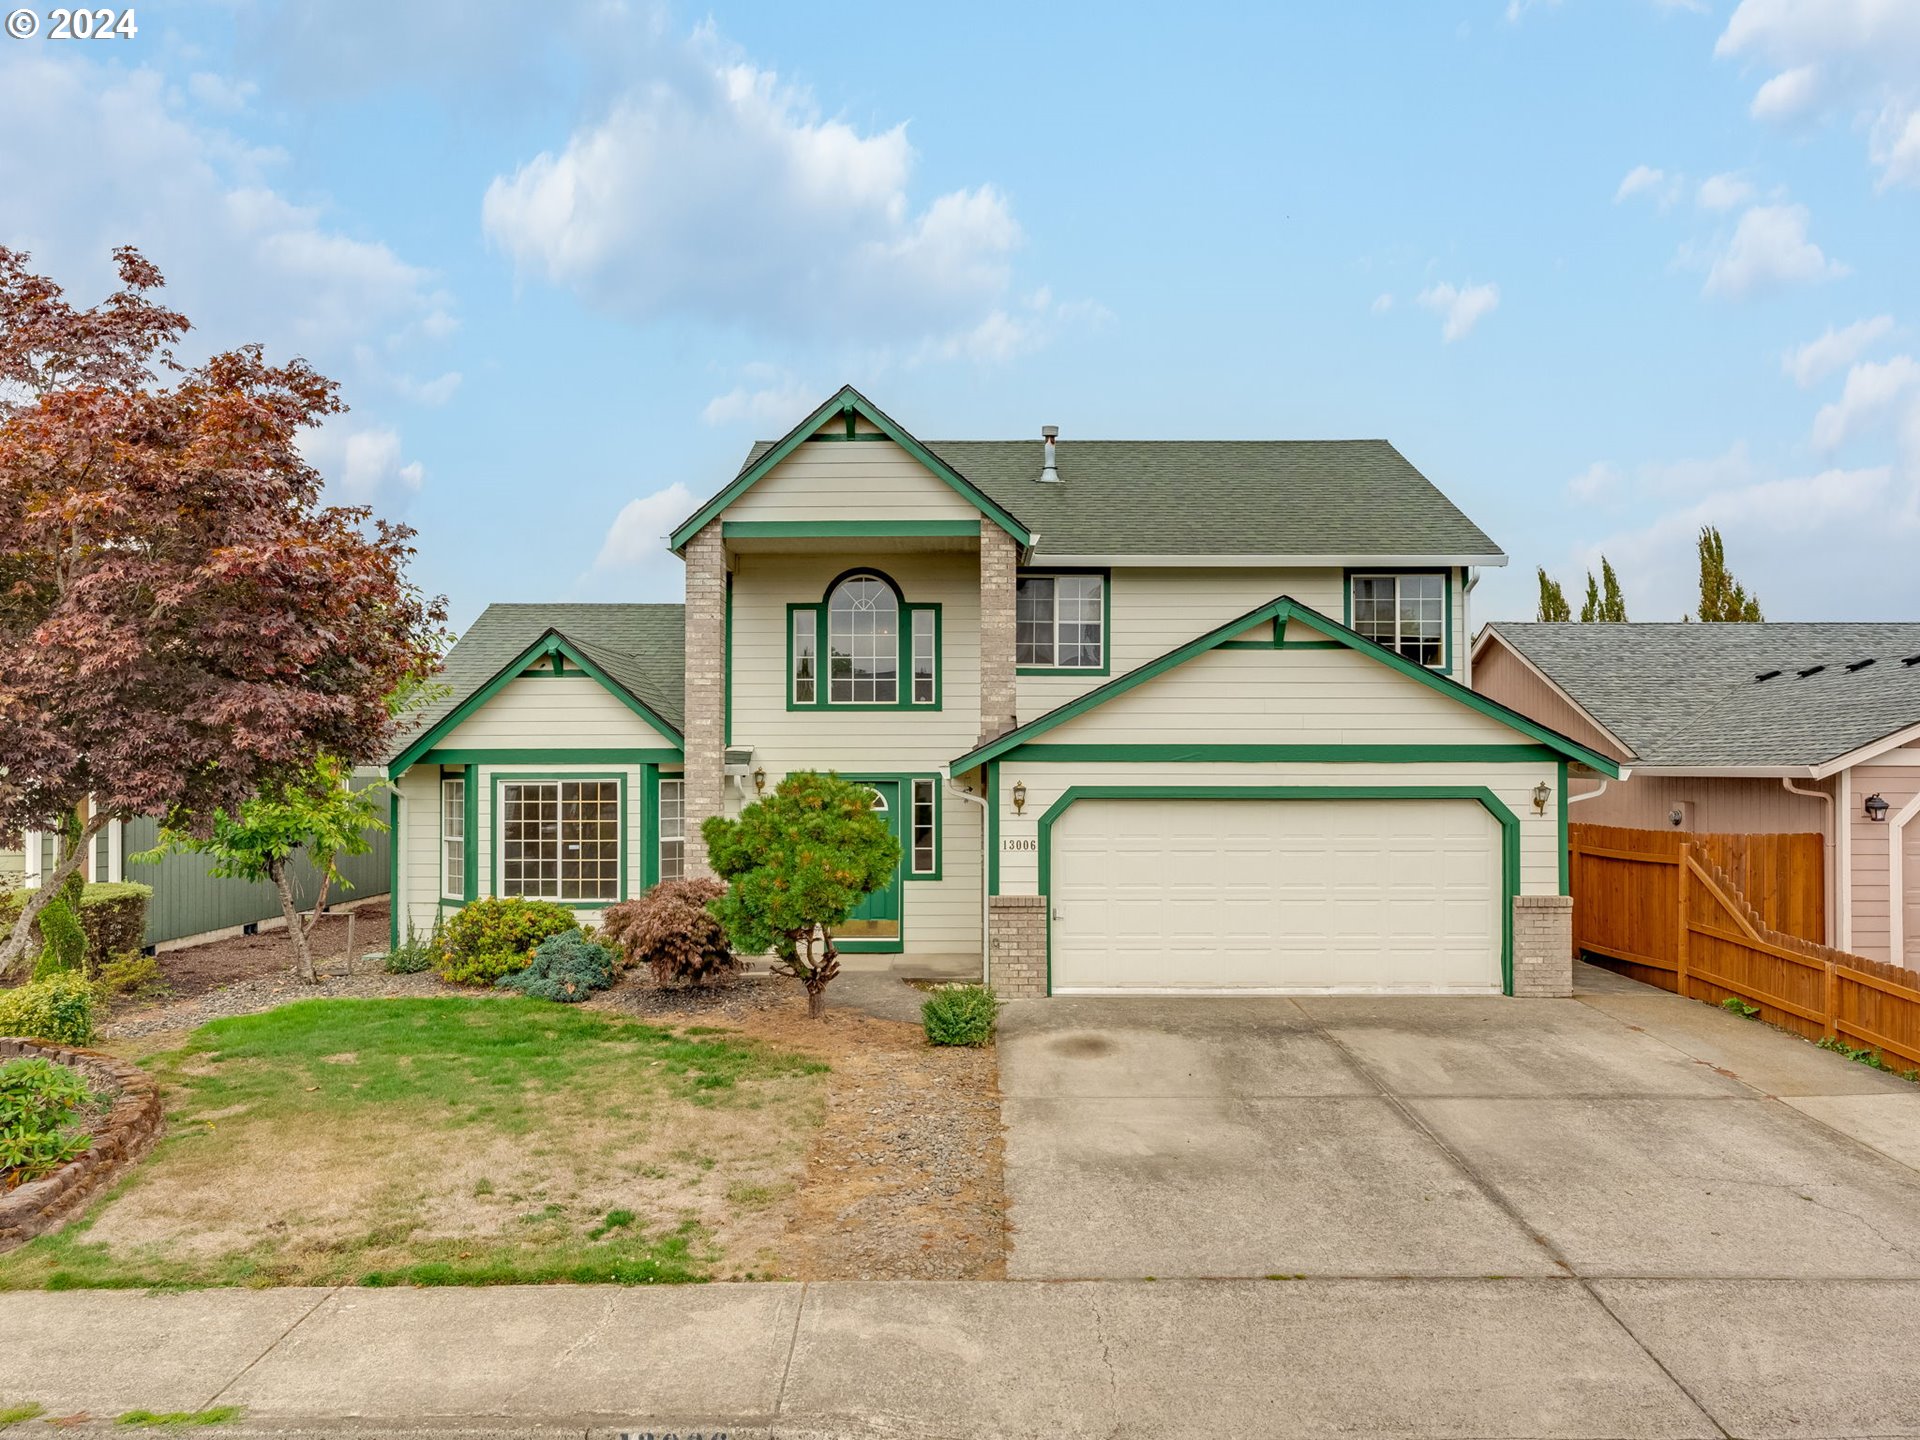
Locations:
1339 501
1279 612
849 402
639 651
1770 696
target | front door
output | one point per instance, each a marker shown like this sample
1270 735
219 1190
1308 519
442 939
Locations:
874 925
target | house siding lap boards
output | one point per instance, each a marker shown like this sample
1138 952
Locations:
1871 843
830 481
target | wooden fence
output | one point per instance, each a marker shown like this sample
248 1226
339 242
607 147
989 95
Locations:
1686 923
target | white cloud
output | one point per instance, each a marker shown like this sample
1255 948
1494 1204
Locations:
1769 249
1658 481
1724 192
361 465
1597 480
1382 303
1646 180
722 193
1812 362
1895 145
1788 95
1872 391
217 92
773 407
1517 9
1462 308
638 539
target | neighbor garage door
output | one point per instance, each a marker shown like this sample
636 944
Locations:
1308 895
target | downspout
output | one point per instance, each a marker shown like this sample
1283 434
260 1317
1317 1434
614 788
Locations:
1839 918
1897 882
1591 794
954 788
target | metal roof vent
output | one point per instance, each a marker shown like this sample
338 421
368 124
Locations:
1049 469
1857 666
1811 670
1767 675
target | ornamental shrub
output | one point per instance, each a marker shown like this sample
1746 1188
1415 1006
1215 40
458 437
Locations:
40 1104
494 937
416 952
567 967
114 918
60 1008
63 943
960 1015
671 930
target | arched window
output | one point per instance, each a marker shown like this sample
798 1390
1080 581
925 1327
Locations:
863 642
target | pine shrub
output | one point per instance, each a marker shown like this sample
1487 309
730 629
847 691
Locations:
490 938
671 930
567 967
960 1015
61 1008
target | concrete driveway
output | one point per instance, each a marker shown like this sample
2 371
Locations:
1622 1135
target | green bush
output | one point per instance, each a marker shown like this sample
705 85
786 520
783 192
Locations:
567 967
114 918
64 946
40 1104
60 1008
494 937
960 1015
416 952
134 974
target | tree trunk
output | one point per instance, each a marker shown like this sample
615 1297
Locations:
21 937
296 932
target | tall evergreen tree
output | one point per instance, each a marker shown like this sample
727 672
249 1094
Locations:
1721 596
1612 605
1553 600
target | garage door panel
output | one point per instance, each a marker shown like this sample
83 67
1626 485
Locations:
1307 895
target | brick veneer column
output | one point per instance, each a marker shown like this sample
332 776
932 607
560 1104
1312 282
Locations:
1017 945
1543 946
999 562
705 698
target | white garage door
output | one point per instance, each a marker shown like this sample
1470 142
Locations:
1303 895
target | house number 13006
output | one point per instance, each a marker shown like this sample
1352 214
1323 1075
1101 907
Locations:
1013 843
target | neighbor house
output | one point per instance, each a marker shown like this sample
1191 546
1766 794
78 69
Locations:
1146 716
1745 729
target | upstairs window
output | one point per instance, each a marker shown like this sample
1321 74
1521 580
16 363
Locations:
863 643
1060 622
1405 613
863 646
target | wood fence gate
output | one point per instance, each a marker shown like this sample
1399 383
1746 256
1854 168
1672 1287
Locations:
1714 916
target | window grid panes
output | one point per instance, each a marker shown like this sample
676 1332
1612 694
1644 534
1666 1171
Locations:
1405 613
1060 620
863 643
673 837
923 646
925 850
560 840
453 838
805 640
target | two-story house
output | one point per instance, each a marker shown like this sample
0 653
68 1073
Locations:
1146 716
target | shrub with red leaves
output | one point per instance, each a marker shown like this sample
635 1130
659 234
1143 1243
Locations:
670 930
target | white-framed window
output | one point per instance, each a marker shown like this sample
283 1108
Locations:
804 650
673 833
560 840
863 642
1405 613
453 837
1059 622
923 850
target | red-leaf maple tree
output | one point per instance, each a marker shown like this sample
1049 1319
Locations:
183 623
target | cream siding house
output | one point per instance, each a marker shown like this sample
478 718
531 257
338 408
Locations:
1145 716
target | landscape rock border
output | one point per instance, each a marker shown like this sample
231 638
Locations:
132 1126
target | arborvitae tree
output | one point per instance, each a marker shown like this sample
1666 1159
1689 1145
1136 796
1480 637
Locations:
1721 596
1553 600
1612 605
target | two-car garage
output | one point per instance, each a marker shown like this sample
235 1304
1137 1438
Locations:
1276 894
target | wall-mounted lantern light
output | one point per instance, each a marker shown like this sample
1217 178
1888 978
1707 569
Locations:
1877 807
1542 793
1019 796
759 780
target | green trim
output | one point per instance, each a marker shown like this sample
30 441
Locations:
850 402
470 882
846 529
1309 645
1566 878
856 435
498 856
903 659
1446 600
899 780
467 847
1509 831
1281 612
993 827
554 756
649 827
1296 754
1105 667
939 827
395 845
726 670
551 643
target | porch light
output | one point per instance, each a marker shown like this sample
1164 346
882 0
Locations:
1019 796
1542 793
1877 807
759 779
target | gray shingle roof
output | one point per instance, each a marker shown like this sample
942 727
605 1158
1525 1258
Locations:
641 647
1217 497
1690 695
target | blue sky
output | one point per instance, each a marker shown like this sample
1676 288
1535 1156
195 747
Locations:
1604 269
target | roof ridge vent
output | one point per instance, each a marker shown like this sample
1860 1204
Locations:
1049 467
1768 675
1857 666
1911 660
1811 670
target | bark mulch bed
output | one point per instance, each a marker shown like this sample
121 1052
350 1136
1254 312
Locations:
198 969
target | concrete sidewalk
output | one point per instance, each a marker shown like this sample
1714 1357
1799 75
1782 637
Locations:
1431 1357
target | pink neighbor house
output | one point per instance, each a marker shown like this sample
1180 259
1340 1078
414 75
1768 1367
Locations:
1756 729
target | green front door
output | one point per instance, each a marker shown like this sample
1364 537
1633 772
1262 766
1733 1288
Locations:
875 923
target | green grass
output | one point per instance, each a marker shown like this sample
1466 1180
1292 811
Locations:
18 1414
391 1094
180 1419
